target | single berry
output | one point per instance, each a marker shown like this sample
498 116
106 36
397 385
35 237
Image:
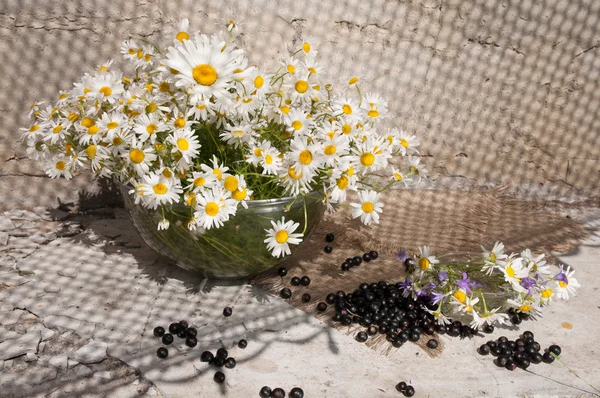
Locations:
230 363
484 349
357 261
433 344
401 386
305 281
278 393
282 272
265 392
184 324
191 342
441 329
227 311
524 363
321 306
414 337
285 293
182 334
296 392
555 349
330 299
218 362
159 331
174 328
162 353
536 358
372 330
207 356
345 266
366 257
222 353
306 298
528 335
374 255
409 391
515 319
242 344
487 328
502 339
547 357
219 377
328 249
295 281
167 338
496 351
501 361
510 364
191 332
329 237
361 337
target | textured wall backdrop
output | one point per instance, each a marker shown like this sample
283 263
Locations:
500 92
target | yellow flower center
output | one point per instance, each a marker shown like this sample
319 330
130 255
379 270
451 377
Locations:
398 176
160 188
353 80
93 130
149 87
306 47
368 207
525 308
61 165
285 109
346 129
91 151
293 175
117 141
173 71
205 74
347 109
167 173
510 272
57 129
238 133
151 128
460 296
259 81
297 125
367 159
258 152
179 123
547 293
181 36
191 199
164 87
183 144
112 125
281 236
212 209
231 183
291 69
404 143
105 90
305 157
137 156
218 173
301 86
87 122
329 150
562 284
373 113
151 107
342 182
424 263
239 194
140 53
268 159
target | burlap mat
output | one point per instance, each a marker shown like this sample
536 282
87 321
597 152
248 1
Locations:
449 221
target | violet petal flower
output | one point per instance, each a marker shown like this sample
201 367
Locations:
401 255
443 275
464 283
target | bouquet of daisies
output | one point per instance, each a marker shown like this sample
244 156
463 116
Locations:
194 123
518 285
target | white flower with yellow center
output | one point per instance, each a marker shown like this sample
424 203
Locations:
281 236
111 123
298 123
369 156
525 304
140 157
237 134
58 167
258 83
340 185
271 161
566 284
55 131
467 306
293 181
348 109
118 142
203 65
184 143
416 170
307 158
494 259
537 264
335 145
147 126
218 169
200 109
300 88
144 57
183 30
199 181
90 131
179 122
213 208
255 151
242 193
313 66
130 48
96 154
158 191
374 106
439 317
104 87
489 317
292 66
309 46
397 176
425 261
514 270
368 208
407 143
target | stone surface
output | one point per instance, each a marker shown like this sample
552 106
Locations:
18 346
61 323
60 362
6 224
93 352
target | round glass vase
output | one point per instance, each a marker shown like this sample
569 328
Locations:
234 251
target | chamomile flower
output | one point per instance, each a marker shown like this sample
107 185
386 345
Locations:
334 147
340 187
200 109
213 208
146 127
439 317
494 258
293 181
374 106
347 108
111 123
291 65
163 224
55 131
201 180
514 270
182 30
467 306
368 208
218 169
298 122
415 170
59 167
408 143
397 176
309 46
184 143
426 261
242 193
158 190
369 156
140 157
258 82
488 317
130 48
537 264
104 87
300 88
237 134
271 161
307 158
566 285
281 236
525 304
97 155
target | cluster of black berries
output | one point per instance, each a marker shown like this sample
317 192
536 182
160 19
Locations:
329 238
266 392
357 260
405 389
181 330
220 359
521 352
286 293
382 308
516 317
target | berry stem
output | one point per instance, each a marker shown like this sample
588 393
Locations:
572 371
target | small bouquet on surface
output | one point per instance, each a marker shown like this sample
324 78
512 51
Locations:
493 289
193 123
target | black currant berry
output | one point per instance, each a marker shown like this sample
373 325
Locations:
295 281
516 320
409 391
230 363
536 358
373 255
366 257
285 293
207 356
242 344
174 328
528 335
296 392
510 365
345 266
182 334
484 349
306 298
159 331
440 329
488 328
184 324
218 362
162 353
501 361
357 261
278 393
222 353
328 249
305 281
414 337
191 332
361 337
330 299
433 344
555 349
167 338
400 387
191 342
547 357
219 377
329 237
227 311
524 363
265 392
282 272
321 306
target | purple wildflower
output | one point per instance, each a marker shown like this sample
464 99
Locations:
527 282
464 283
443 276
401 255
561 276
436 297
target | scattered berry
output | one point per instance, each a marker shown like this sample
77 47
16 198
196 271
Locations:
321 306
218 362
366 257
219 377
306 298
328 249
222 353
433 344
345 266
357 260
265 392
285 293
230 363
361 337
547 357
174 328
555 349
167 338
278 393
191 332
409 391
305 281
295 281
159 331
191 341
282 272
330 299
162 353
329 237
488 328
484 349
373 255
296 392
207 356
227 311
400 387
242 344
183 324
